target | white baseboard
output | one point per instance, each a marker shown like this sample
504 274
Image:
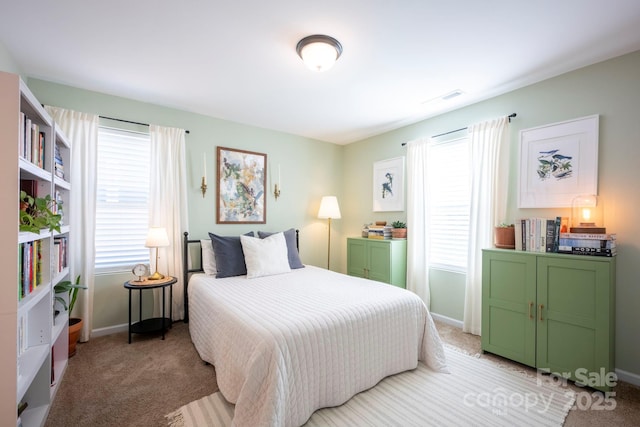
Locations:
628 377
447 320
109 330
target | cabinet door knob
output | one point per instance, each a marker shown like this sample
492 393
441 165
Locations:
541 306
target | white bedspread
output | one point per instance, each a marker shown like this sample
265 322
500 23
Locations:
286 345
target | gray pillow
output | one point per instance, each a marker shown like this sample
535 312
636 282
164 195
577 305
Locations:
292 249
229 255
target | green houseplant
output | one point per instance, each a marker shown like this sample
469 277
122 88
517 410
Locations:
37 213
399 230
75 323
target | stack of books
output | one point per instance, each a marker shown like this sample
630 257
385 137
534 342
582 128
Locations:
594 244
539 234
31 141
380 232
552 235
58 163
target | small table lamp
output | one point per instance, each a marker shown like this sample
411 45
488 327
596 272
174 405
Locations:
586 215
329 209
157 238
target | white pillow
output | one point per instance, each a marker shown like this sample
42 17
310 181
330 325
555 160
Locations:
265 257
208 258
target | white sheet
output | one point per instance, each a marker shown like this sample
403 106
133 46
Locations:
286 345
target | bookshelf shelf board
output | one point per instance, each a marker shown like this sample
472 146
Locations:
29 170
59 182
26 236
29 301
33 356
35 416
60 321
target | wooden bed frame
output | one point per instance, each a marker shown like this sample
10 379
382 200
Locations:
186 270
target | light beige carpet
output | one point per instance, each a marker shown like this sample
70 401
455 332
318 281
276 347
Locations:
477 392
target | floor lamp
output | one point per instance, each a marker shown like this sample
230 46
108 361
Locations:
329 209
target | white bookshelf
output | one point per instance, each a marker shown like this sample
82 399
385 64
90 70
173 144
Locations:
37 342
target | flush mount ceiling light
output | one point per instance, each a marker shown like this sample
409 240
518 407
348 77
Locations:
319 52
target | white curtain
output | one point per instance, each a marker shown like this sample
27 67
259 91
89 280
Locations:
168 206
82 131
489 178
417 219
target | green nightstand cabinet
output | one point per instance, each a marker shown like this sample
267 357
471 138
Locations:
381 260
550 311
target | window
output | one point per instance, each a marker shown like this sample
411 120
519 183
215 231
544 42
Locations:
449 195
122 209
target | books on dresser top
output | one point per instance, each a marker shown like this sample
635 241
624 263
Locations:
380 232
552 235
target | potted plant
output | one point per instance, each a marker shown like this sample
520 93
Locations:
399 230
37 213
505 236
75 323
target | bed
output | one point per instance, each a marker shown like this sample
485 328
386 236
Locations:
285 345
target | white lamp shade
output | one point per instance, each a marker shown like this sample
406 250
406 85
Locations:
157 238
329 208
319 56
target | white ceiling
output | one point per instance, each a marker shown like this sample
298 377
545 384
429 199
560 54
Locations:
236 60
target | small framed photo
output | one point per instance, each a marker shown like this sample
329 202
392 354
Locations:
388 185
241 178
558 162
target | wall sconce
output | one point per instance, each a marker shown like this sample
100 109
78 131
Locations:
203 186
277 186
586 215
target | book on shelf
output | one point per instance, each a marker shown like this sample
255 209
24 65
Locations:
30 267
539 234
552 235
575 250
60 253
595 236
22 335
588 243
380 232
31 141
58 164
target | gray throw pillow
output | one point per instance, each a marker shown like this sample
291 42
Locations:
229 255
292 249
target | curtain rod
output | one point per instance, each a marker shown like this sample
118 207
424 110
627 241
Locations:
510 116
129 121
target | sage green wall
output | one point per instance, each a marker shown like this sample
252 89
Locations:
6 61
611 89
309 170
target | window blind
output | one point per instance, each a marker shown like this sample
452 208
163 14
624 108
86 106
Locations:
449 196
122 209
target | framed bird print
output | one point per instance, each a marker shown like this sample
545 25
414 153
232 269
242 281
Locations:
241 178
388 185
558 162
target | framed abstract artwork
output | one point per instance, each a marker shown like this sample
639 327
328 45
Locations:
241 183
388 185
558 162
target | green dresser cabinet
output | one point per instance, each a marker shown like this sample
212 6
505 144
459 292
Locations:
551 311
381 260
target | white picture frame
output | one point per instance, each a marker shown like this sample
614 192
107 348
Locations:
388 185
558 162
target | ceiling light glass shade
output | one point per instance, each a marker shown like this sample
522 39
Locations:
319 52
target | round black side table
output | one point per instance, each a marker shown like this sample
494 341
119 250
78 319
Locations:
153 324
